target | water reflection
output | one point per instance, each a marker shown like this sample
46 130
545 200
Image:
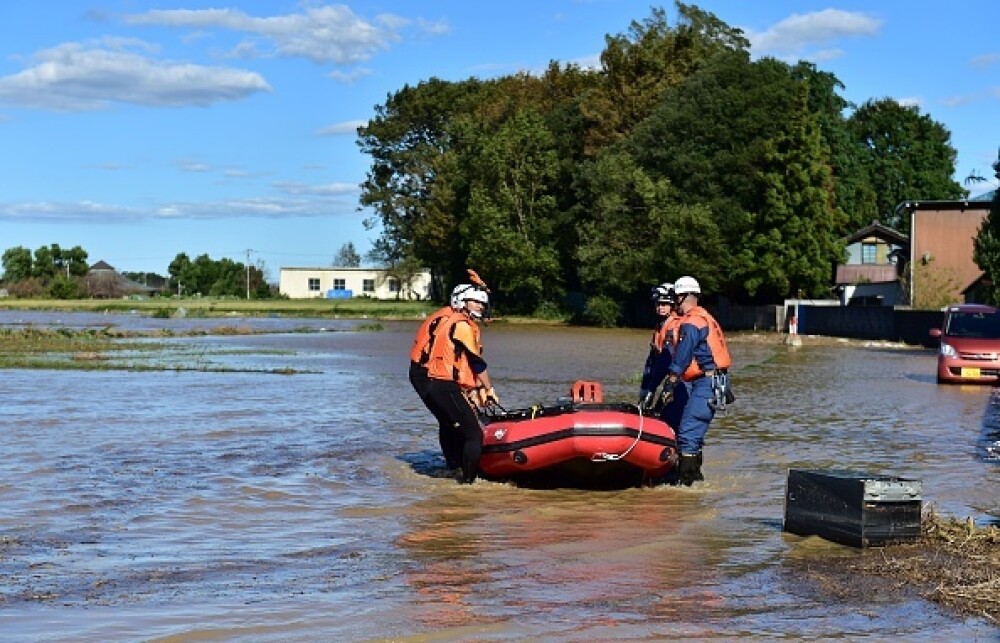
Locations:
989 439
180 506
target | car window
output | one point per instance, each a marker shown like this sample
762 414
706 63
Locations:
973 325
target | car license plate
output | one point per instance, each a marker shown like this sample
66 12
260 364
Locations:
970 372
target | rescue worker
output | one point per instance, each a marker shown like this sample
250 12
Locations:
660 356
456 373
420 354
702 362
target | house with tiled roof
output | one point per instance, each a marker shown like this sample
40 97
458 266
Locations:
872 274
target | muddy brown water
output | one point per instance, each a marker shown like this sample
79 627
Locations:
176 506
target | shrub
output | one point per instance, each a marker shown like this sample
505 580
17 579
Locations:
549 310
602 311
30 288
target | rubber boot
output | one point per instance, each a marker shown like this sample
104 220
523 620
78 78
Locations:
687 469
698 476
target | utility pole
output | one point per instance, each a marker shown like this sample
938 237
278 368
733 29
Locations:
248 273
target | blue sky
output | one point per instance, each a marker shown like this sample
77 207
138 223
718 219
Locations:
139 129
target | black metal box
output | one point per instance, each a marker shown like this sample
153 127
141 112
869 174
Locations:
852 508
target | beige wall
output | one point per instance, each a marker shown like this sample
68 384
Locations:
294 283
941 240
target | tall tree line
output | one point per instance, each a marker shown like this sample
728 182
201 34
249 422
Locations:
680 155
57 272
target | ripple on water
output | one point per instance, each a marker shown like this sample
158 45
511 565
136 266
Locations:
317 507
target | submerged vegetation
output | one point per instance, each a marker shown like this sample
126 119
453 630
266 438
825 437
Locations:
955 563
109 348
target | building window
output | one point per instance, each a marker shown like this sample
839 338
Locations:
393 285
340 284
313 284
869 253
368 285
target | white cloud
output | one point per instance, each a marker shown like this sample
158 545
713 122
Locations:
329 189
76 77
262 207
986 60
434 28
910 101
193 166
341 129
47 211
107 167
349 77
798 35
322 34
958 101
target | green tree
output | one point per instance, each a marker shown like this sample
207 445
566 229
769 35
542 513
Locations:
179 270
794 242
639 65
74 261
906 155
641 233
63 287
214 278
44 265
347 256
855 196
406 140
709 137
52 260
508 234
986 245
17 264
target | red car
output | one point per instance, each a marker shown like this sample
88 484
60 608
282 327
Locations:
970 345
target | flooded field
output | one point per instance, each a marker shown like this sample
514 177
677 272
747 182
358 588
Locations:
176 506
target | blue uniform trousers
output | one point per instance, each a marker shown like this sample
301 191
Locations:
698 414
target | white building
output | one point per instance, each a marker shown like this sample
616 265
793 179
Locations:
342 283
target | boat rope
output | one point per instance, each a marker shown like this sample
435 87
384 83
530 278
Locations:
613 457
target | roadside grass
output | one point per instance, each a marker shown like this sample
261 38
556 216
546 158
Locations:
357 308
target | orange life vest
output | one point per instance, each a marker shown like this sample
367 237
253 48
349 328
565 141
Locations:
666 333
421 350
716 343
447 362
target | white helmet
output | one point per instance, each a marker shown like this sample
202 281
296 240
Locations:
467 292
456 294
687 285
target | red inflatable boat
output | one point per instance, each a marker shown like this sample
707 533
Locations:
581 441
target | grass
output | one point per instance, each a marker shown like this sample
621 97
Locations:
357 308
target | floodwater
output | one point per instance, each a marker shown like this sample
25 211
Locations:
179 506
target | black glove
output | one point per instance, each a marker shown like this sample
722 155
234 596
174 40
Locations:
645 400
667 396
